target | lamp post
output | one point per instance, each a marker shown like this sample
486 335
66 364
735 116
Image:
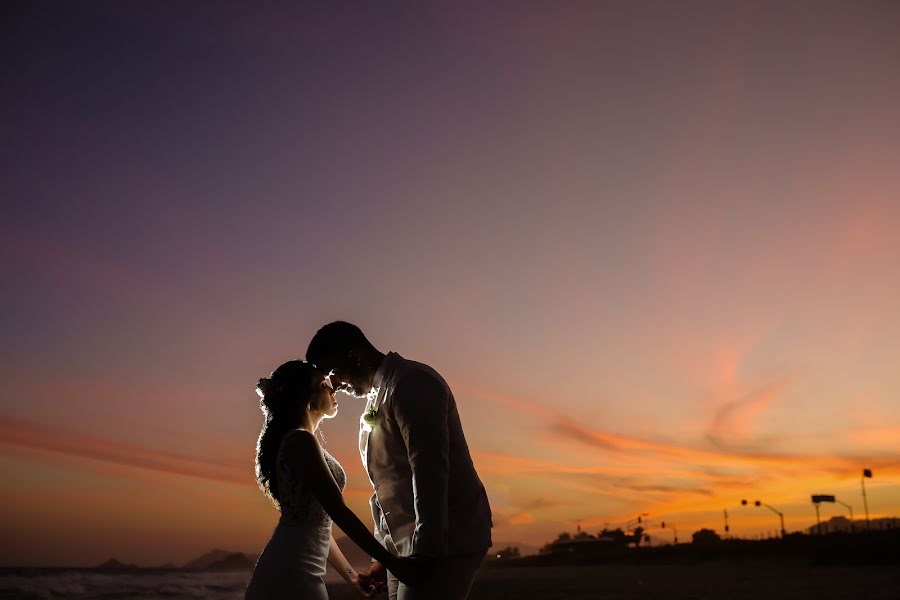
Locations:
726 523
674 529
818 499
639 519
867 473
773 509
850 508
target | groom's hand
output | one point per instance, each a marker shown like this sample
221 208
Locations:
361 586
425 565
376 577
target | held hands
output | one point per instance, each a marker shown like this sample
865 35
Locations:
371 582
414 571
360 585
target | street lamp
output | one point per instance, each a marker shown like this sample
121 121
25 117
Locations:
726 523
819 498
639 519
674 529
867 473
773 509
850 508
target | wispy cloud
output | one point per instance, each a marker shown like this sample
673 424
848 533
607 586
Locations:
542 503
637 469
42 438
521 518
732 420
667 489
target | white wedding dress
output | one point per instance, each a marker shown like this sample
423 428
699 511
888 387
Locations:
293 563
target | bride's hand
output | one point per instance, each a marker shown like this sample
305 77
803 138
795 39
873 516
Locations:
362 586
375 577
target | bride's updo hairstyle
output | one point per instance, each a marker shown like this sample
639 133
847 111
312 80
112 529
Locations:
283 398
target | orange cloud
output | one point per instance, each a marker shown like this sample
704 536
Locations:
530 408
875 436
605 471
31 436
522 518
734 418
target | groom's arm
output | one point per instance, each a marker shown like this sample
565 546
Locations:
421 407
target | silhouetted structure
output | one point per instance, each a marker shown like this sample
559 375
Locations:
705 537
842 524
872 547
508 553
606 540
867 473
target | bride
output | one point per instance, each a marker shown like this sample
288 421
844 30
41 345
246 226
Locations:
306 483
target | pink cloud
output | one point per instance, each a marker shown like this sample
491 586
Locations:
42 438
734 419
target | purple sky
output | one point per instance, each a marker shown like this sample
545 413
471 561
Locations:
676 225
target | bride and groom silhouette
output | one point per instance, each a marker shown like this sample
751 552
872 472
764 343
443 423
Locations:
432 520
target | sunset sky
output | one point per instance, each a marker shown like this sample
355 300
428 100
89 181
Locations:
654 248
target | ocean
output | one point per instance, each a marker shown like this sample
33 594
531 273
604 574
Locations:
85 584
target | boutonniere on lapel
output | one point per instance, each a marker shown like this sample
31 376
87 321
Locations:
370 419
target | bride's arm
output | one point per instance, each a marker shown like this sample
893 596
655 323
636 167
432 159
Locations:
304 455
337 560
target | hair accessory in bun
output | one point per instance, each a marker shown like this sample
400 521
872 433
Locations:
264 387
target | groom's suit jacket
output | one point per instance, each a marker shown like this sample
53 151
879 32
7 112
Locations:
428 498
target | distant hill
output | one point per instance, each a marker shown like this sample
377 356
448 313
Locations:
115 565
236 561
221 560
203 562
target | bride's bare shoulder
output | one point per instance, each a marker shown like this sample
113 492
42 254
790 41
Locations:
299 442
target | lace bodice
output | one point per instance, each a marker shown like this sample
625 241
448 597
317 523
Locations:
298 505
298 548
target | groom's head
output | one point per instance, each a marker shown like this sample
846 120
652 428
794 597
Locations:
342 349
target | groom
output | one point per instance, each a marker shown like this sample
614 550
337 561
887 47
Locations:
428 500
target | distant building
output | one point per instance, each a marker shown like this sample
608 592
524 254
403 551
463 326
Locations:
845 525
584 542
569 543
705 537
506 553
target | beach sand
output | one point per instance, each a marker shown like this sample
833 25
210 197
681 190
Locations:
749 580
